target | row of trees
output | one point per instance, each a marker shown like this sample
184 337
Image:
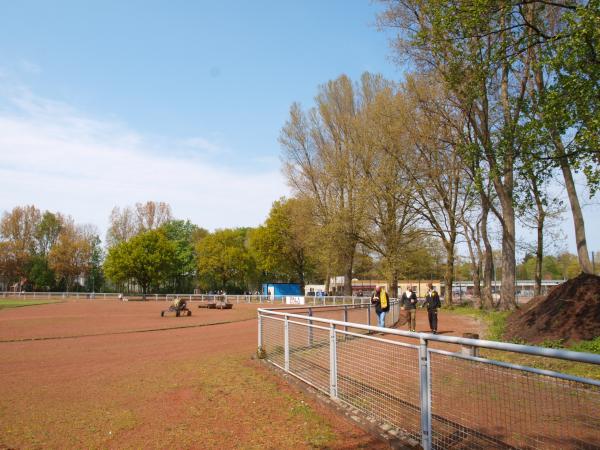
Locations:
501 103
48 251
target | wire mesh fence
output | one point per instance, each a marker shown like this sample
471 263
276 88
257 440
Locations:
444 399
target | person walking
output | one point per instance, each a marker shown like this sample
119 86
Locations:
382 304
433 303
409 302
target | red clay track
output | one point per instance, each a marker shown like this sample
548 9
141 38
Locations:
175 388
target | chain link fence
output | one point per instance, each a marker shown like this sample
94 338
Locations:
435 389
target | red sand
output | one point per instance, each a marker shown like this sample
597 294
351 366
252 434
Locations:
106 385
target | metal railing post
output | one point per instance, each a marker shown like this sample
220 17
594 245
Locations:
368 314
310 328
286 344
259 331
345 319
333 391
425 395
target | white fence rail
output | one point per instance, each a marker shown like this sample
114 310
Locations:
432 388
241 298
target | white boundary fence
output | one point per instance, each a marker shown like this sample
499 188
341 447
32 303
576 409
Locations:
241 298
421 386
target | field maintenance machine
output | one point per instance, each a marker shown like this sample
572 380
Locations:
179 307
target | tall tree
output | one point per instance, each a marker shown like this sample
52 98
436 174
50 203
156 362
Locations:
441 190
184 235
151 215
17 230
47 231
283 246
224 261
70 257
129 221
487 73
149 258
383 140
122 226
321 163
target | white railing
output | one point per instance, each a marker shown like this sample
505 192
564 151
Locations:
234 298
435 389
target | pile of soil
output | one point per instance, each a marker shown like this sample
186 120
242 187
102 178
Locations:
570 312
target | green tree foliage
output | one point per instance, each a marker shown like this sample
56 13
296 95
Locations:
224 261
39 273
95 280
149 258
184 235
563 266
283 246
47 231
572 101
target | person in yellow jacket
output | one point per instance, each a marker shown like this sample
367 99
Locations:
382 304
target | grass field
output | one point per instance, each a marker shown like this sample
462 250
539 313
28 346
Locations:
5 304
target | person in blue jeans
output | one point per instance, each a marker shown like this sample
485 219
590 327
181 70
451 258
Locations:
382 304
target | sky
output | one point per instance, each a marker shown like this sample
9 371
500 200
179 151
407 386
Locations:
110 103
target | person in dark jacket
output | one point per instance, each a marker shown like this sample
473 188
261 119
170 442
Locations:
382 304
433 303
409 302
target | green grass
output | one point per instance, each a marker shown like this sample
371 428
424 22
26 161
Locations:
495 325
494 321
5 304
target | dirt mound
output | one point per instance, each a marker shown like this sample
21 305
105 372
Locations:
570 312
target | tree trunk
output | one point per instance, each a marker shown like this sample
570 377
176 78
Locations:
394 284
327 281
580 236
539 256
487 302
449 274
474 265
507 290
348 280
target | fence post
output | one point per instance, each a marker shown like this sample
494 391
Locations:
345 319
425 395
369 315
333 391
259 331
310 328
286 344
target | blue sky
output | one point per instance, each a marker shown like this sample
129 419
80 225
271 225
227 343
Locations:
223 71
109 103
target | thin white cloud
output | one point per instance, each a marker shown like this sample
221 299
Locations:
29 67
205 146
58 159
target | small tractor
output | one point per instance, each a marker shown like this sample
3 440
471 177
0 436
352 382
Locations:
179 307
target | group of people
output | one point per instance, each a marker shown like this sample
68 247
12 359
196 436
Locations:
408 307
